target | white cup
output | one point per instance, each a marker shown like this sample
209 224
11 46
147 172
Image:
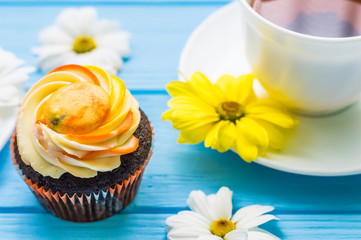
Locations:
311 75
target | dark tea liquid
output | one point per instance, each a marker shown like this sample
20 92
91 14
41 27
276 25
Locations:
322 18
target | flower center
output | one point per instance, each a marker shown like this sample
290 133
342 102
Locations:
83 44
221 227
230 111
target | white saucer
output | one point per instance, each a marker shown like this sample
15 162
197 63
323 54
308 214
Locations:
327 146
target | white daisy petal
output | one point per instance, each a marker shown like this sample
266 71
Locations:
181 238
8 63
246 214
17 76
186 238
51 50
77 22
238 234
118 41
260 234
89 58
54 35
207 218
209 237
108 60
187 224
87 19
259 221
66 21
198 202
12 77
221 203
186 232
104 27
189 218
49 63
78 37
9 96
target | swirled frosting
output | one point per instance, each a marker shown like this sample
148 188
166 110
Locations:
53 153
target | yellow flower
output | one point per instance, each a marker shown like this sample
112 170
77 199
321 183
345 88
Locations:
227 115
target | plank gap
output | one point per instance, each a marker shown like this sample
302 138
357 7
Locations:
149 92
173 210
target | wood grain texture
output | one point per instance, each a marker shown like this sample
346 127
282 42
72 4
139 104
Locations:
152 226
309 207
110 2
158 34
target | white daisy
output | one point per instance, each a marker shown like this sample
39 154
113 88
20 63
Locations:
12 77
79 37
211 219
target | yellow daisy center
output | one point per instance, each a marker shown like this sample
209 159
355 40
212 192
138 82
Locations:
83 44
230 111
221 227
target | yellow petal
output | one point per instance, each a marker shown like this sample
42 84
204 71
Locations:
253 132
272 115
178 88
194 136
184 102
205 90
211 139
190 114
222 136
167 115
245 149
252 139
227 135
268 102
182 124
227 83
236 89
187 116
277 136
280 119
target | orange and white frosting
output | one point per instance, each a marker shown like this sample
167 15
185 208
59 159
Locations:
83 155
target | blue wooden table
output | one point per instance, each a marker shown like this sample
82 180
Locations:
309 207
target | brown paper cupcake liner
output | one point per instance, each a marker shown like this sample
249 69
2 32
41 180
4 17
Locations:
86 207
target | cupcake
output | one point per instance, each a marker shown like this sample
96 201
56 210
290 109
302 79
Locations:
81 143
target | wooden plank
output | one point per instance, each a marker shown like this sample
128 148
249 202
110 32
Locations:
109 2
158 36
314 226
45 226
309 207
175 170
152 226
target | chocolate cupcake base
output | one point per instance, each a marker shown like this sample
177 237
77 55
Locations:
90 199
90 207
